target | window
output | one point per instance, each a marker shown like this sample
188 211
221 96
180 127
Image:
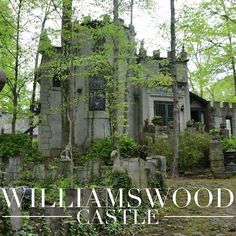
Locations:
165 110
96 93
228 121
56 82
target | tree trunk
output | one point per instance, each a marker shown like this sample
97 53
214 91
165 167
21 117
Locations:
65 82
131 12
16 70
115 77
33 96
129 61
175 144
14 115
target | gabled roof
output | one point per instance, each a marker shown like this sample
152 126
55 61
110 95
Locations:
198 98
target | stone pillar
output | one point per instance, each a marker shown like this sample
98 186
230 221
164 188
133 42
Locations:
15 210
217 159
53 222
13 171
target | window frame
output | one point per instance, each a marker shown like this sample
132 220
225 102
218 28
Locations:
167 118
97 90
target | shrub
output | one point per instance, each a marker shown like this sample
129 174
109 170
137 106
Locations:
18 145
229 143
162 147
193 150
121 180
102 149
5 224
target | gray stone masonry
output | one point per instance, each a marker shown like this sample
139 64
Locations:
217 160
14 169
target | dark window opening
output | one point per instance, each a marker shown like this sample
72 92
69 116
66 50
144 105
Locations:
96 93
195 115
96 102
165 110
198 116
96 83
56 82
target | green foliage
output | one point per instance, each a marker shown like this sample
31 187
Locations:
26 230
190 123
121 180
81 229
229 144
5 225
215 132
157 120
207 31
193 150
157 180
163 147
18 145
102 149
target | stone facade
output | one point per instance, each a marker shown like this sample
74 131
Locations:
22 124
213 114
223 113
91 125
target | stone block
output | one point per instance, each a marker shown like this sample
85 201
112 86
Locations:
39 171
81 174
16 222
217 159
54 222
14 169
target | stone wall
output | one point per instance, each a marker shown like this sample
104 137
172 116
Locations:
219 112
138 169
217 161
141 171
92 125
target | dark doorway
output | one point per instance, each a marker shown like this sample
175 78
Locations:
196 116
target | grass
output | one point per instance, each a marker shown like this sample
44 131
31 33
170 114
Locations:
207 226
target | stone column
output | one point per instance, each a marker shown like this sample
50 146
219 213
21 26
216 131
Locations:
217 159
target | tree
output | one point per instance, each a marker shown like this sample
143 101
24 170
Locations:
225 11
18 56
6 42
175 92
47 12
210 45
115 78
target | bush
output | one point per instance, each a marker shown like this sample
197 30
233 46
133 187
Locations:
229 143
193 150
5 224
102 149
162 147
18 145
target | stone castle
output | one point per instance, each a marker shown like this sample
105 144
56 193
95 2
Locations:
91 120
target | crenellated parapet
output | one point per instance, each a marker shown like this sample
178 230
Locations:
222 112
